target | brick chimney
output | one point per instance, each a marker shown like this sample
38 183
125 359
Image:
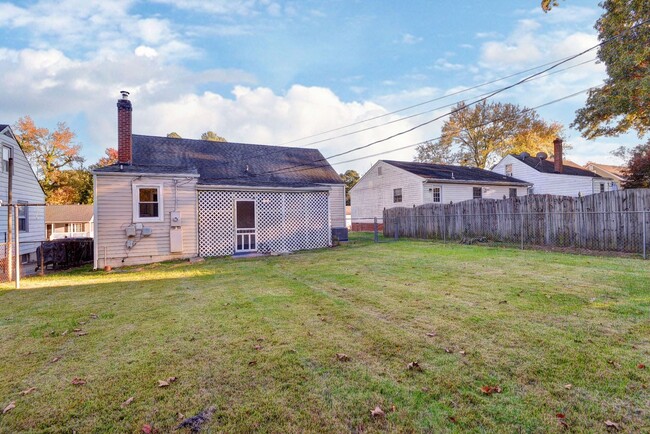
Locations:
557 155
124 141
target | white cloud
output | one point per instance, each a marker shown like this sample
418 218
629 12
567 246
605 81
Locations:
410 39
219 7
446 65
145 51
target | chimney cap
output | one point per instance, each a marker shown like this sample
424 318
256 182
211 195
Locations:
125 94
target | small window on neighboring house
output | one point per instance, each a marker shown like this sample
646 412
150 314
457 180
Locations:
513 192
602 187
437 197
379 171
24 258
23 217
508 169
397 195
477 193
6 154
147 203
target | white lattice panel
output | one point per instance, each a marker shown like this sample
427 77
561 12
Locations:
285 221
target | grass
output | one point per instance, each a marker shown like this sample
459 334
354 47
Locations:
529 322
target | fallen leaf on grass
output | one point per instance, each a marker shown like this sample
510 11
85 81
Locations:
610 424
452 419
258 347
489 390
78 381
377 412
94 316
81 333
640 366
414 366
82 322
28 391
56 359
393 408
127 402
432 334
560 415
76 330
148 429
614 363
180 416
462 352
252 363
167 382
65 332
448 350
10 407
342 357
568 386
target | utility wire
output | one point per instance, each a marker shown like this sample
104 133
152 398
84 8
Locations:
503 89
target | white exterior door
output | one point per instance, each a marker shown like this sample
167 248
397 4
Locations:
245 226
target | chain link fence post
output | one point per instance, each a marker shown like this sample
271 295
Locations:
645 236
376 228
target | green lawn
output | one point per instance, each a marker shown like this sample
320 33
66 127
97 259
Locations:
257 339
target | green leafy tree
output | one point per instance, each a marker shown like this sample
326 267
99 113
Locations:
481 134
622 103
350 178
212 136
70 187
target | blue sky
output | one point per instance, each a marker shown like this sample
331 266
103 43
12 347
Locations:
264 71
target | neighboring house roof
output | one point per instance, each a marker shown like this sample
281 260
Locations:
68 213
226 163
616 171
3 126
547 166
445 172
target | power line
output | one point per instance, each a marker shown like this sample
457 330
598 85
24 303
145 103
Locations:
427 102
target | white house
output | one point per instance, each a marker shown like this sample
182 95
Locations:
553 176
397 183
25 190
69 221
171 198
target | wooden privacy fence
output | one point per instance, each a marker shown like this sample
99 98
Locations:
613 221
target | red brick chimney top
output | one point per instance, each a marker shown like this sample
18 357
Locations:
557 155
124 141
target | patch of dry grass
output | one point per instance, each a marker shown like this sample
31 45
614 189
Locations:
258 338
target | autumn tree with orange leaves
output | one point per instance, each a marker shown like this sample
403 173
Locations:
49 152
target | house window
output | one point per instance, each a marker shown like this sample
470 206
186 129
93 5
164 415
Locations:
23 217
24 258
397 195
379 171
437 197
77 227
147 203
477 193
602 187
6 154
508 169
513 192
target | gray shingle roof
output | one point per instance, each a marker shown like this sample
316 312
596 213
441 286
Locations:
68 213
225 163
546 166
3 126
454 173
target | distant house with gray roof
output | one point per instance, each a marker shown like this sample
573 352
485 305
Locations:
555 176
389 184
170 198
69 221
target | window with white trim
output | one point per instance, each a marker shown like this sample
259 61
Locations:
508 169
6 154
437 196
397 195
148 203
23 217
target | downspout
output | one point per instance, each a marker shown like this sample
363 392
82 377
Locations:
95 231
10 196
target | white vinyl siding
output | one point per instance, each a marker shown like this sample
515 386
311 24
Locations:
551 183
26 189
337 205
114 212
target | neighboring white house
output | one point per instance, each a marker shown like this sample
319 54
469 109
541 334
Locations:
397 183
25 190
69 221
170 198
616 174
553 176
